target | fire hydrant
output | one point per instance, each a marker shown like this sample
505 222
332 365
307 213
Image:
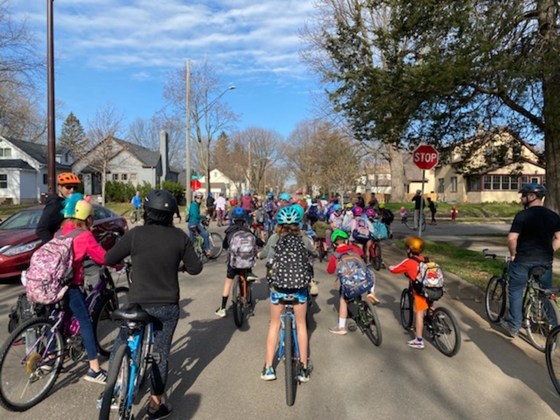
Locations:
454 212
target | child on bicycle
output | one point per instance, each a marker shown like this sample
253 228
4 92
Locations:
414 247
239 218
340 241
156 249
288 277
78 212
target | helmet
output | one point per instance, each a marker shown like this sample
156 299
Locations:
337 207
338 234
290 215
370 212
77 207
210 194
537 189
161 200
348 205
285 196
67 178
418 191
247 192
381 205
238 214
414 244
270 196
402 209
357 211
198 194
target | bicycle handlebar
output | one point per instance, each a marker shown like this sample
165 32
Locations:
487 254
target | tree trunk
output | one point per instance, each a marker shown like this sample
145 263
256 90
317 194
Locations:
397 173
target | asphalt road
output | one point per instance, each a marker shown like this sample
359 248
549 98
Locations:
215 367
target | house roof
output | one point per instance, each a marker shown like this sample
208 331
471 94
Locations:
149 158
15 164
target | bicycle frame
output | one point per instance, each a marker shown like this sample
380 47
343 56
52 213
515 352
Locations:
287 316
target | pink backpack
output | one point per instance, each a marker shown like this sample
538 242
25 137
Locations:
50 269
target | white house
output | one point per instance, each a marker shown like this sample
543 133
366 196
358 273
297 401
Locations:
220 183
23 170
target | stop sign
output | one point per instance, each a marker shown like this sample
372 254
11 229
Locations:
425 156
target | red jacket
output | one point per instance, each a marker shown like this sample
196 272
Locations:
331 267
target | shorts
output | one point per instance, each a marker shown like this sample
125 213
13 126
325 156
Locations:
232 272
420 302
299 294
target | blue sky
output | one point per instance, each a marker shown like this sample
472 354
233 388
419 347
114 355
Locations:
119 52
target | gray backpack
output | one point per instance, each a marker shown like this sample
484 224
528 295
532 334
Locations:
242 250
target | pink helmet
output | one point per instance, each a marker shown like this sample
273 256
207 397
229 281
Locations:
402 209
370 212
357 211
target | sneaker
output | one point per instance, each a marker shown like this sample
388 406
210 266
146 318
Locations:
313 289
416 344
221 312
303 375
114 402
371 297
507 330
252 276
268 374
338 331
161 413
99 377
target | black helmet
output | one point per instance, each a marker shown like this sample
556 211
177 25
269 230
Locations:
160 206
532 187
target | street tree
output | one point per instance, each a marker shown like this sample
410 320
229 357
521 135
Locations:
72 135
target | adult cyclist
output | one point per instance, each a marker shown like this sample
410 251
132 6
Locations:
195 221
533 237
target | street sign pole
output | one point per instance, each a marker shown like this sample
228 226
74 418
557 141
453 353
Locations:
425 157
421 215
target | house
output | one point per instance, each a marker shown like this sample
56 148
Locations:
219 182
124 162
488 167
23 170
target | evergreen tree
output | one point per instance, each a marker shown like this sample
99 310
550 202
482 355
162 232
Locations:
73 135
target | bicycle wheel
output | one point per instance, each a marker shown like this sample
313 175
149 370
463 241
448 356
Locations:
370 322
446 332
143 362
30 362
289 363
495 299
116 388
216 245
237 302
321 251
106 330
543 315
406 309
377 258
553 357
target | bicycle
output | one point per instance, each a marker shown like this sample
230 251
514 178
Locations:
288 347
215 239
136 214
422 221
130 364
540 311
365 316
552 351
242 302
440 323
321 245
374 253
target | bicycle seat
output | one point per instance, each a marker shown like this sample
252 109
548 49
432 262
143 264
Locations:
288 300
537 271
131 312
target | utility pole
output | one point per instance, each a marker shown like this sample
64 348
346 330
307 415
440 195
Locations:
51 140
188 130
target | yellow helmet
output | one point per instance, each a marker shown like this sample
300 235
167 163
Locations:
77 207
83 210
414 244
381 205
349 205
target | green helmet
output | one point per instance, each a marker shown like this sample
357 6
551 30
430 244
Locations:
338 234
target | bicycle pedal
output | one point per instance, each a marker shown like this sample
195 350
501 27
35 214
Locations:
155 358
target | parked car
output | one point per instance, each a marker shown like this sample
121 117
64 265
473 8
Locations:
18 239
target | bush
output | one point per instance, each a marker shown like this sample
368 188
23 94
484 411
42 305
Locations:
119 192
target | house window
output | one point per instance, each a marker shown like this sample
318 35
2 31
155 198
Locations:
473 183
501 182
496 182
3 181
115 177
45 179
5 152
441 185
133 178
124 177
453 184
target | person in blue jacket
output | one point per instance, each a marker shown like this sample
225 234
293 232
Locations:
195 221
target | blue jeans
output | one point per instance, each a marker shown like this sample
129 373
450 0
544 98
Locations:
76 301
202 232
518 277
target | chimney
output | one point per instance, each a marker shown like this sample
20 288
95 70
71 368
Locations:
163 146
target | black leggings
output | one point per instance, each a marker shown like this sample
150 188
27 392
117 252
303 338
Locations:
165 318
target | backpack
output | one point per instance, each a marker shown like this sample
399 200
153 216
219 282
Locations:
50 269
361 230
354 276
269 207
380 231
313 212
289 268
429 280
242 249
259 216
23 311
388 217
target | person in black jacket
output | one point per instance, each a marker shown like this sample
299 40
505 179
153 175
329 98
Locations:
157 249
210 208
52 217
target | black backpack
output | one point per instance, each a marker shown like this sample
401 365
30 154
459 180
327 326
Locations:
290 267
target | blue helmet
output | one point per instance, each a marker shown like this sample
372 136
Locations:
285 196
337 207
270 196
290 215
238 214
